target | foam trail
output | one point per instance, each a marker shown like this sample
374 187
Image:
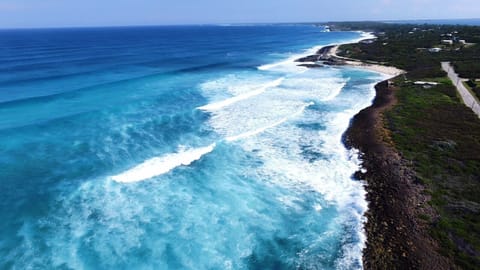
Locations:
290 61
335 93
270 66
260 130
286 65
230 101
161 165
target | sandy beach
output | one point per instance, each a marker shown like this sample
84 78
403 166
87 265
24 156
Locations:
389 70
329 56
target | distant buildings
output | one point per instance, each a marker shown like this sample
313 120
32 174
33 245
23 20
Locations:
426 84
368 41
452 38
434 50
447 41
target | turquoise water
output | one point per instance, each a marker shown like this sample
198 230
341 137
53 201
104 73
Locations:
199 147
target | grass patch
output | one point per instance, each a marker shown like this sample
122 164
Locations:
433 129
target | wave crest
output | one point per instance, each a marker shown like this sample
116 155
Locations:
160 165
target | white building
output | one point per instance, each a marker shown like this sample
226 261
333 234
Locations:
424 82
447 41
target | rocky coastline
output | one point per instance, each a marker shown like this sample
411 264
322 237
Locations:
396 237
322 57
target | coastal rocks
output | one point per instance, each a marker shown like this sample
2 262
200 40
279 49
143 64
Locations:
311 65
322 57
325 49
332 61
310 58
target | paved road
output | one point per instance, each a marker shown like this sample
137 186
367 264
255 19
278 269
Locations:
467 97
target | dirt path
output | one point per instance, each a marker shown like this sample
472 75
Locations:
467 97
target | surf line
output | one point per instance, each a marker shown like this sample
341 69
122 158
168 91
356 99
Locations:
230 101
160 165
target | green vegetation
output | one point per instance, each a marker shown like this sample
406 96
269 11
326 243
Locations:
407 46
431 127
467 69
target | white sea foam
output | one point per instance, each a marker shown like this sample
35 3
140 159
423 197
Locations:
259 121
161 165
334 92
218 105
234 84
284 163
313 86
176 213
285 149
289 64
263 129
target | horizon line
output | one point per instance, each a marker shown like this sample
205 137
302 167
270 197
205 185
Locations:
226 24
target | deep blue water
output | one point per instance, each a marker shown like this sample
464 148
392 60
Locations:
199 147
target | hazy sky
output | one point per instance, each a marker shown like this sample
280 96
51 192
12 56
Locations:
61 13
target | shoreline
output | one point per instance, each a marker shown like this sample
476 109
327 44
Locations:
327 56
395 238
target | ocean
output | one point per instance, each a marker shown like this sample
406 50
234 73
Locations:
178 147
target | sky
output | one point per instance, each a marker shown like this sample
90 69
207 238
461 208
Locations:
70 13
